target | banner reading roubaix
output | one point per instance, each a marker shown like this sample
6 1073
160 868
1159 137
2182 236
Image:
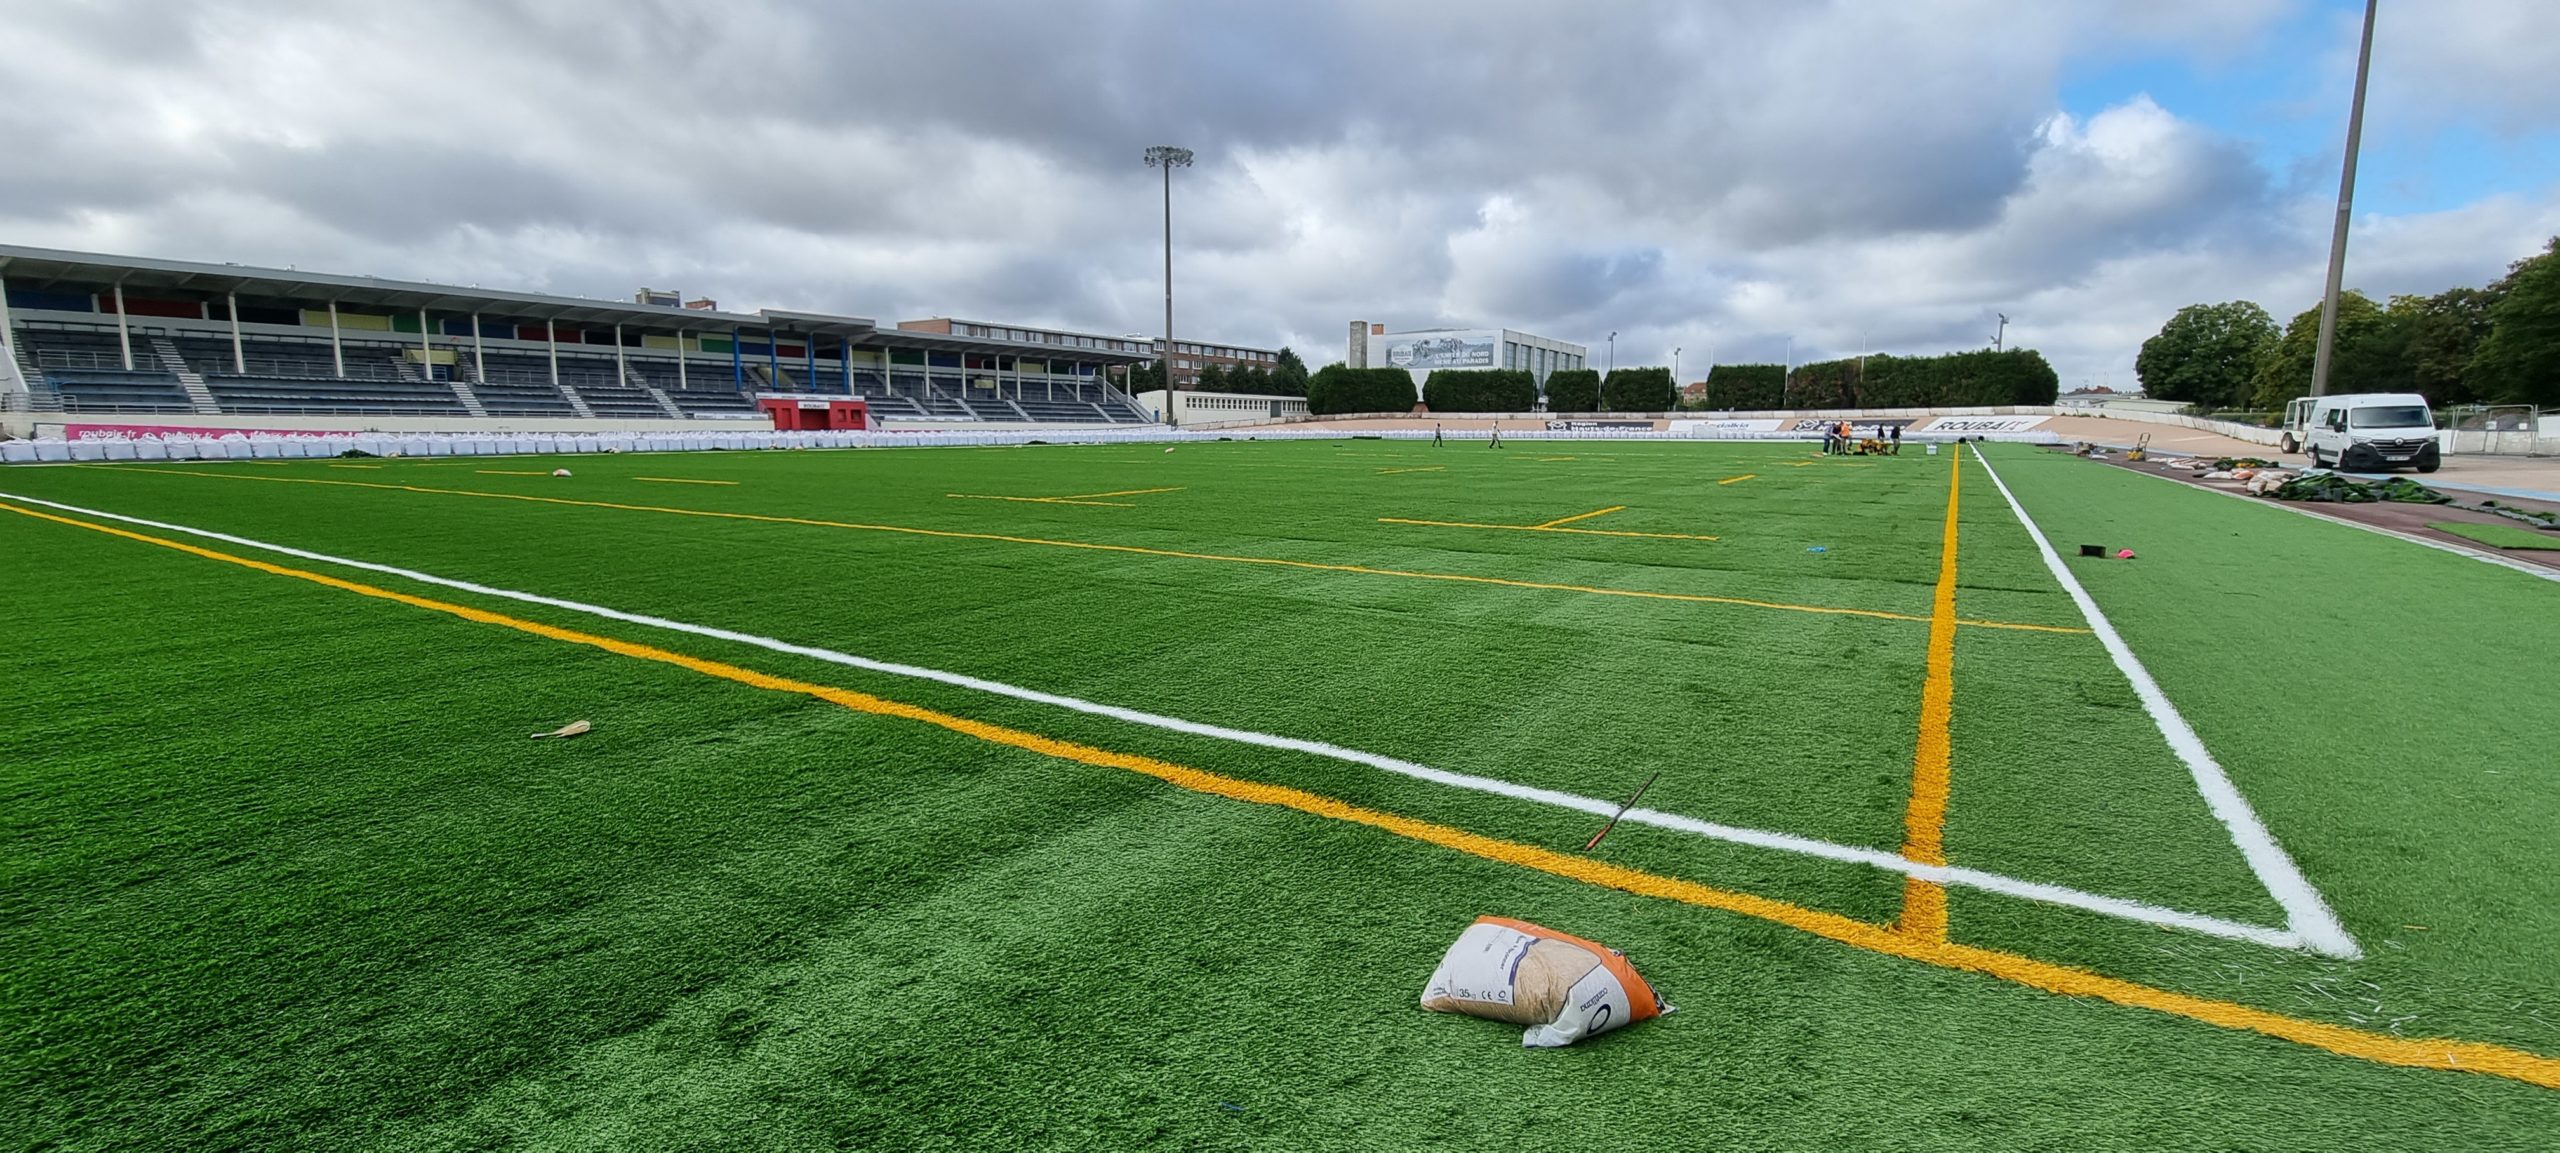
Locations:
1969 424
138 431
1856 423
1424 352
1597 425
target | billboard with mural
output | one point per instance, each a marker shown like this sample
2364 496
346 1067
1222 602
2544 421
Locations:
1425 351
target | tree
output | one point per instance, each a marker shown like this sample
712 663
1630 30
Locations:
2433 339
1211 379
1745 387
1480 390
1639 390
2519 362
1573 390
1288 374
1145 377
2361 356
2208 354
1340 389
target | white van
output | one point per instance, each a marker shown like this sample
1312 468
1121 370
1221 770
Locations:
2364 431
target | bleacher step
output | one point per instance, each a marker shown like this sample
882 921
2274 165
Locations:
665 402
470 400
188 379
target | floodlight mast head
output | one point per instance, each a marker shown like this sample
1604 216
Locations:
1168 156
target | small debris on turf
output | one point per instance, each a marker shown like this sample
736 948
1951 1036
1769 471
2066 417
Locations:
571 729
559 472
2124 554
1817 548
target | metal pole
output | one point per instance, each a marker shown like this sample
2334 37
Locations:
479 352
2346 212
1169 417
551 344
337 348
239 362
426 350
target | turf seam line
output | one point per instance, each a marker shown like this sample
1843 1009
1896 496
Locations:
2427 1053
2037 891
1551 528
1924 820
1139 550
2306 912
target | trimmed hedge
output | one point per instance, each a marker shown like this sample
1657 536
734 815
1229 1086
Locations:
1639 390
1480 390
1337 388
1573 390
1956 379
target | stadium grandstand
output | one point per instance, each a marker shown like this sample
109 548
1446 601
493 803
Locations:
97 334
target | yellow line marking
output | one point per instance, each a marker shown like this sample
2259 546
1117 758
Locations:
1137 550
504 472
1039 499
1426 468
1582 516
680 480
355 466
1122 492
1548 458
2423 1053
1924 903
1545 528
1739 479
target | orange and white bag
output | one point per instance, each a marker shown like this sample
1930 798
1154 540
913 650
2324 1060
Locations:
1562 987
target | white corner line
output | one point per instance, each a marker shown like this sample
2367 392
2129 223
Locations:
2305 912
2285 938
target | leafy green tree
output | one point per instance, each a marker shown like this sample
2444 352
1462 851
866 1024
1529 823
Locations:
2434 339
1341 389
1639 390
1573 390
1212 378
1288 374
2362 356
1745 387
2208 354
2519 362
1480 390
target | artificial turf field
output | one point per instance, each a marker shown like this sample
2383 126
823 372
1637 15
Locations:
283 869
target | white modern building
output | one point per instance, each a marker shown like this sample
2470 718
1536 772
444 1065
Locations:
1424 350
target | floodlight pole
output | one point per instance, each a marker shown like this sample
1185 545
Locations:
2346 212
2002 335
1675 376
1613 352
1167 157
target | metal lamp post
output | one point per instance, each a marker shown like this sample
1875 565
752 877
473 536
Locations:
1167 157
1675 376
2346 212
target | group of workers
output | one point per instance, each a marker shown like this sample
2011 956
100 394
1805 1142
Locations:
1841 439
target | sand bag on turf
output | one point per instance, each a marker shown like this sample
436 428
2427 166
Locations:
1562 987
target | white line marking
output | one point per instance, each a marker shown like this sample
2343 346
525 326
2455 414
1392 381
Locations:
1758 838
2531 570
2305 912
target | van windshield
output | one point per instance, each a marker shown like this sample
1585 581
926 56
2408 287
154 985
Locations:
2389 416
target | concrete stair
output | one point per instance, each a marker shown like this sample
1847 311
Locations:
188 378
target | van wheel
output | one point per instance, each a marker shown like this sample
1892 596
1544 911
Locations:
2430 465
2289 444
2315 459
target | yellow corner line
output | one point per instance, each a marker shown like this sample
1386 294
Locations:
355 466
1425 468
1924 821
1553 458
1549 528
1137 550
1739 479
680 480
2422 1053
1582 516
1122 492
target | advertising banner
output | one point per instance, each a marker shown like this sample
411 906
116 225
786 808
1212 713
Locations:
1973 424
1598 425
138 431
1428 351
1714 426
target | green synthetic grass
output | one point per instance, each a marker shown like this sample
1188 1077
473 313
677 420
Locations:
285 871
2499 535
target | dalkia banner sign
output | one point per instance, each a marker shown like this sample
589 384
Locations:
192 432
1724 426
1597 425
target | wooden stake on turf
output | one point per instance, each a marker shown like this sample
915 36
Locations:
1594 842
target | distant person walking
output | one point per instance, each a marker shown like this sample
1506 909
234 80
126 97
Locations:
1497 436
1897 440
1436 442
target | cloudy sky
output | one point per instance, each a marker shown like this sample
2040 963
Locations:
1720 177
